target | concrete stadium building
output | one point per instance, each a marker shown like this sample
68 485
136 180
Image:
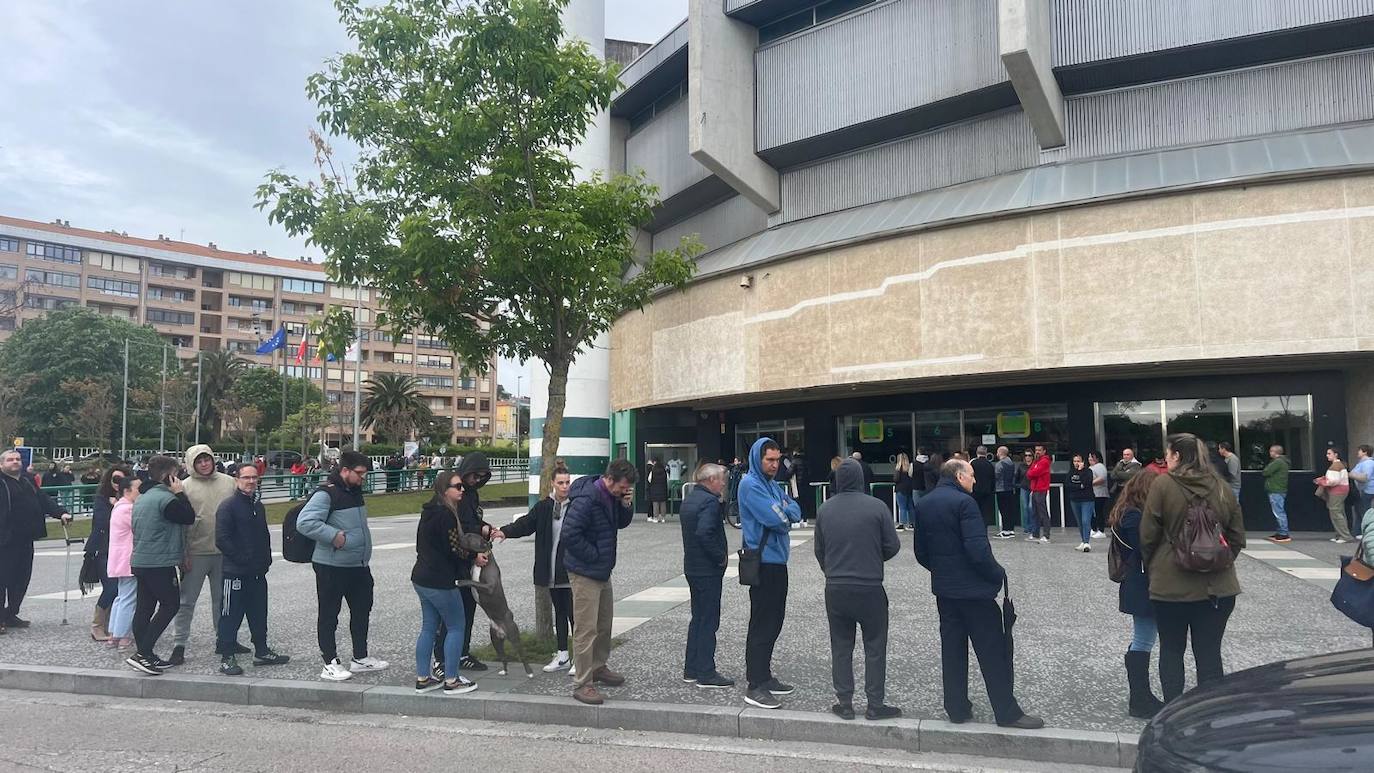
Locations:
937 224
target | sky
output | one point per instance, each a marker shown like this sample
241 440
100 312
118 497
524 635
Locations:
157 117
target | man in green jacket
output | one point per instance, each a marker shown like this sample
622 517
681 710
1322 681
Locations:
1276 486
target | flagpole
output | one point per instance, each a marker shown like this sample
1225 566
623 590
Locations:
283 392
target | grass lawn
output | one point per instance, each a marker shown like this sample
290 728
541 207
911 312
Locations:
378 506
538 651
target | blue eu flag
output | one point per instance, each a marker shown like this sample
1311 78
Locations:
277 341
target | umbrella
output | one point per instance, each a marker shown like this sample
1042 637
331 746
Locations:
1008 620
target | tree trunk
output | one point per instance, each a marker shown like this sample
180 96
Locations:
543 613
553 432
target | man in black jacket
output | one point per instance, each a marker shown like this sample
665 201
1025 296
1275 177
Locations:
854 536
22 509
984 480
704 558
241 538
545 522
952 542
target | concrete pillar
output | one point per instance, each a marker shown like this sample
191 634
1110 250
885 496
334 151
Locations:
585 443
1359 407
720 99
1023 33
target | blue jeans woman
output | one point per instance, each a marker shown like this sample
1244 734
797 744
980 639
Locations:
905 506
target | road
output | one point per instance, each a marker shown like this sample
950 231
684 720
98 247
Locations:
75 734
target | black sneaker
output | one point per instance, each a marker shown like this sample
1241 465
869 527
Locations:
178 656
16 622
842 710
1280 539
714 679
143 665
882 712
762 698
777 688
472 664
688 678
230 666
239 649
459 686
162 664
270 658
436 670
428 684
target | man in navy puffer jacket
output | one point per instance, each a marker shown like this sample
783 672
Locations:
241 538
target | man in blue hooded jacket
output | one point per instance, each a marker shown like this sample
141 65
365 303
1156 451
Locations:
766 516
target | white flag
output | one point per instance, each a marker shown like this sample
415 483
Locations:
354 352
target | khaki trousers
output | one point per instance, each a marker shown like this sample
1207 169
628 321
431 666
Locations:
593 610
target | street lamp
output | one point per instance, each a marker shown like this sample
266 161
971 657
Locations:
519 435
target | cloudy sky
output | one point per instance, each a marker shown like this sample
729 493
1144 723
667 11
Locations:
151 116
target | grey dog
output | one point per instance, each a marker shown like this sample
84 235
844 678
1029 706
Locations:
491 597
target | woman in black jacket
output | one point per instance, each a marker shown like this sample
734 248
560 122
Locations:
98 549
1079 485
656 489
545 522
1134 592
439 564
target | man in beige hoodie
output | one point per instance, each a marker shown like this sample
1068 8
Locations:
206 488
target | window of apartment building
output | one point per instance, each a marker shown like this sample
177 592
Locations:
54 252
120 312
303 286
484 385
350 293
441 382
381 336
400 358
468 402
485 405
429 342
173 272
105 260
53 278
242 347
299 371
8 272
7 322
294 328
485 424
168 317
46 302
467 423
467 383
8 244
8 298
113 286
436 361
304 309
436 403
170 294
180 342
258 304
406 339
251 281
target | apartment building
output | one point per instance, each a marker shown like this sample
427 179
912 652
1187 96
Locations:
202 298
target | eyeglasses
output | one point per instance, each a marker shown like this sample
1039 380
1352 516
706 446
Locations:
358 472
248 477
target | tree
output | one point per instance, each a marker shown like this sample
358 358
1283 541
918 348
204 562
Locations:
93 419
307 422
12 389
261 388
464 209
393 406
241 421
75 343
219 370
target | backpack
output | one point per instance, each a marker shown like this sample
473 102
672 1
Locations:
296 547
1201 546
1117 565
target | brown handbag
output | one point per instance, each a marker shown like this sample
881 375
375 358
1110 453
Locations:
1357 569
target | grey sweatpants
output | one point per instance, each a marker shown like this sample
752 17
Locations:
202 568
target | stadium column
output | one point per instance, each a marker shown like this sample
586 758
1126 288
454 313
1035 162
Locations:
585 444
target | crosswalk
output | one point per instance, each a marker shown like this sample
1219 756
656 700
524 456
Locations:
1295 563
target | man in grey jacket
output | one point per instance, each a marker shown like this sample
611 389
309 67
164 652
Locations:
854 536
206 489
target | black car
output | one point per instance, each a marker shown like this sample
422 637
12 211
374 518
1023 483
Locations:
281 460
1308 714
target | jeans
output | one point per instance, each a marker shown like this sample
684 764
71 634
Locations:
1144 632
979 622
904 505
333 586
865 606
158 600
1026 512
243 597
437 604
700 660
767 610
202 568
1040 503
1276 503
1204 622
1083 511
122 610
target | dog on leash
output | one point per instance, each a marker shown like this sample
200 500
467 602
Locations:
491 597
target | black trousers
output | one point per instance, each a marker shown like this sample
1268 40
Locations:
16 569
1204 622
865 606
156 605
562 615
1009 505
1100 513
986 504
333 586
700 659
976 621
767 609
242 597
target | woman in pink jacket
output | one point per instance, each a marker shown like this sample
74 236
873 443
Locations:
117 567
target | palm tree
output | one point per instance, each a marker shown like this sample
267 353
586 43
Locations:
394 406
220 368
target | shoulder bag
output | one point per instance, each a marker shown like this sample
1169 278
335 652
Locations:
750 561
1354 591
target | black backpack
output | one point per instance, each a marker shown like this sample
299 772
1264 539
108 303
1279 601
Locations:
296 547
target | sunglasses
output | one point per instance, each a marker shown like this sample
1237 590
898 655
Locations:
456 484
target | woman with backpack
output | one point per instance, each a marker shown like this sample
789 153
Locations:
1190 534
439 564
1133 594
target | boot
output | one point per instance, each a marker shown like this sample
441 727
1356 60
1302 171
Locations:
100 625
1143 703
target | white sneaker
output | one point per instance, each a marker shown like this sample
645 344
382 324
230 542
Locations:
1031 538
560 661
358 666
1082 546
572 669
334 671
1044 540
1339 541
1098 535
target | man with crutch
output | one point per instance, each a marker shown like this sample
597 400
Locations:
22 510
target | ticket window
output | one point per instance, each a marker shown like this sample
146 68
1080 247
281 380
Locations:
1020 428
879 437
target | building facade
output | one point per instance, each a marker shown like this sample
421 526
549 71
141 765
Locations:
935 225
202 298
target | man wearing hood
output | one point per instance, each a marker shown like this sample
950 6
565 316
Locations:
854 536
206 489
766 512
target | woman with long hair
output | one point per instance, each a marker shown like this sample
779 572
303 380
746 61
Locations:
119 551
1133 594
904 485
1189 606
438 567
1080 487
1334 487
98 548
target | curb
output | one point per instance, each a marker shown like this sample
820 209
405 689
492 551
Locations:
1081 747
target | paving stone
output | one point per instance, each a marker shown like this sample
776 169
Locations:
40 678
307 695
121 684
1048 745
783 725
670 718
196 687
540 710
407 702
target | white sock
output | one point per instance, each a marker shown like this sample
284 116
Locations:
562 655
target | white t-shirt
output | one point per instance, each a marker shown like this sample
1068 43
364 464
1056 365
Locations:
675 469
559 510
1099 470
